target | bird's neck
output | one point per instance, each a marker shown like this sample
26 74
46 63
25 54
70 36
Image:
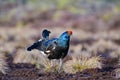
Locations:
63 43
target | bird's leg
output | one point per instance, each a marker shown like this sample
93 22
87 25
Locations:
61 64
51 63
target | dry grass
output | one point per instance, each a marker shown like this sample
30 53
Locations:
102 45
117 71
37 58
80 63
3 64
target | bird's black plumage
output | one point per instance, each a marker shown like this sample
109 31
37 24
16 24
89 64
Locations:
55 51
55 48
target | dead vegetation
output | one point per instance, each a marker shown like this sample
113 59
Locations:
3 64
80 63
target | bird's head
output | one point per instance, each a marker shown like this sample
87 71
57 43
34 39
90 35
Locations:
69 32
45 33
66 35
65 38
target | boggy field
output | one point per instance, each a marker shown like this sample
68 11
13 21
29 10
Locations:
93 55
94 52
25 71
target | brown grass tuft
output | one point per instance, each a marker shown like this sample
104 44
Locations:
80 63
3 64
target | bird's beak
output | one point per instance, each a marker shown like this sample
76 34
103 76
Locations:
69 32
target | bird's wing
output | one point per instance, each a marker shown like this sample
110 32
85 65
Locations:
51 44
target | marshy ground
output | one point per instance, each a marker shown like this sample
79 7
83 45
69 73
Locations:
94 52
23 65
25 71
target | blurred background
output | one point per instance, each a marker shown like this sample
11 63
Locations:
95 25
